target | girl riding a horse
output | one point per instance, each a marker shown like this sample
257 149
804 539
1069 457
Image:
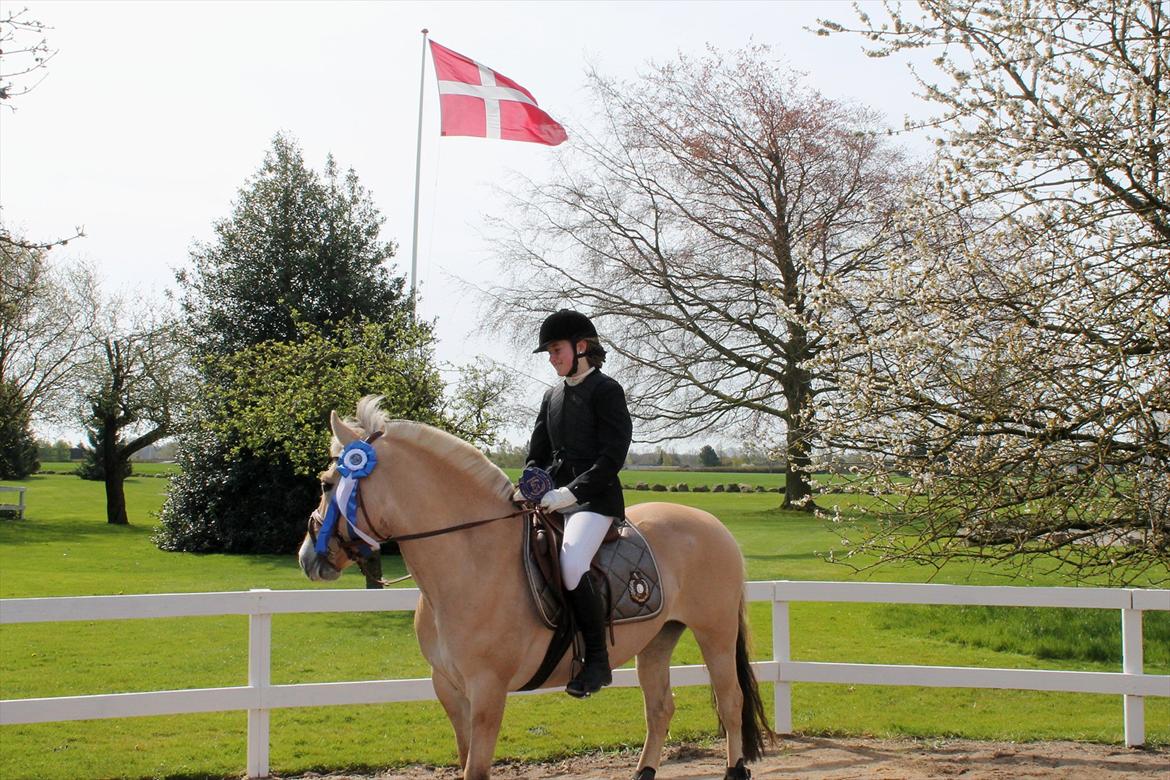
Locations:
452 514
581 437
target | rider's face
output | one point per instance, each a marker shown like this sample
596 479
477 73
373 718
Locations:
560 355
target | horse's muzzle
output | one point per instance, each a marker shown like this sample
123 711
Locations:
314 566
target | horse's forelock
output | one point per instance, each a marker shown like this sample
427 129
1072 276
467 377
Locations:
369 418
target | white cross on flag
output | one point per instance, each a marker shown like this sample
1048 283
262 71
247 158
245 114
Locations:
474 100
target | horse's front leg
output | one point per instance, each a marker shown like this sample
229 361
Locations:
458 712
486 697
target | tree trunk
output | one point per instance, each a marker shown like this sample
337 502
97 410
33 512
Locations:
111 462
797 490
798 442
115 498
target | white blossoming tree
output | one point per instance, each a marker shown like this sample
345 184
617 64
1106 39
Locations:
1011 399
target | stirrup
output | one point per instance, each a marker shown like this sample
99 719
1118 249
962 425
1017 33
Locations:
588 682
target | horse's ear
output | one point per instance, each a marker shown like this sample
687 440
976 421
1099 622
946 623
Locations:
343 432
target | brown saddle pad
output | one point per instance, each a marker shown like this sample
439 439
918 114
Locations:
627 562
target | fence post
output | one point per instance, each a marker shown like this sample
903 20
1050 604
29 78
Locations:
781 652
1132 662
259 678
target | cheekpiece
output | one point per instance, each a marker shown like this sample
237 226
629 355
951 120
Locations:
356 460
534 483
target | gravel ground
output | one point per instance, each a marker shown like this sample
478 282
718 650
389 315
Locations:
817 758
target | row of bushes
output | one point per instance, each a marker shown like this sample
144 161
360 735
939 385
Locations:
683 487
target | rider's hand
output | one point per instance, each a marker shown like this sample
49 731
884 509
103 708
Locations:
518 497
558 499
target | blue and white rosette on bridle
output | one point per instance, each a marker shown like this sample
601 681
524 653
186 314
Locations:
356 461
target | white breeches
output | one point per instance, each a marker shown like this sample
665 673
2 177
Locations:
584 533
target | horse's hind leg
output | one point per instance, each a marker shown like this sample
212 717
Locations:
654 677
717 644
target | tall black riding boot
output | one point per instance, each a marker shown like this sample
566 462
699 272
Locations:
589 609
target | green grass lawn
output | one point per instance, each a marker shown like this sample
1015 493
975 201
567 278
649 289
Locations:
64 547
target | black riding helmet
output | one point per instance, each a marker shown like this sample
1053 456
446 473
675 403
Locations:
568 325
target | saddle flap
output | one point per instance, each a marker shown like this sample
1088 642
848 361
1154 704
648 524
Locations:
634 586
542 566
625 559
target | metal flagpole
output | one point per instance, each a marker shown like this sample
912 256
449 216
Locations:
422 71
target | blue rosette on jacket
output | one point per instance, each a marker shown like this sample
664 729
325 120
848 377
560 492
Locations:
534 483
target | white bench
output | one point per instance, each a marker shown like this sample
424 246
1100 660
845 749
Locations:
18 507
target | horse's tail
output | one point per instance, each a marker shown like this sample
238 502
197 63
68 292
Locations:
753 719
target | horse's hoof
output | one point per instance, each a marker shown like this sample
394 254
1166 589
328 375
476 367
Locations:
737 772
646 773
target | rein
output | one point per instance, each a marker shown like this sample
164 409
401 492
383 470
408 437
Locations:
442 531
460 527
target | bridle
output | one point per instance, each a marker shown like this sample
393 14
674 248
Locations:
359 550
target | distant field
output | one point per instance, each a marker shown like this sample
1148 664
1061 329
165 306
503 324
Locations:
631 477
709 478
64 547
67 467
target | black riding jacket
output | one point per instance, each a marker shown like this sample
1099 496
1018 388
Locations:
582 436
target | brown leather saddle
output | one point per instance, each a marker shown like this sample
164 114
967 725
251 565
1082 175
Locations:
630 573
629 576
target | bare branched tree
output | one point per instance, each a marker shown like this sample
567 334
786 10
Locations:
1019 351
24 53
131 392
46 317
700 228
476 407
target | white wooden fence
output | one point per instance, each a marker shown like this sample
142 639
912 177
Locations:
259 696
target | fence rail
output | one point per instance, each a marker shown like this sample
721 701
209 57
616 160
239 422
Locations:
259 696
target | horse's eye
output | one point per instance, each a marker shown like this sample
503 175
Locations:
325 487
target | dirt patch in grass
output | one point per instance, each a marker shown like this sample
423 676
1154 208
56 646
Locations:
823 758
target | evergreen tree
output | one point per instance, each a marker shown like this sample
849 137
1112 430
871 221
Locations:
94 465
709 457
280 305
249 463
18 447
297 248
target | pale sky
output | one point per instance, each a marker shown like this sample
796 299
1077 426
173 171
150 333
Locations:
153 114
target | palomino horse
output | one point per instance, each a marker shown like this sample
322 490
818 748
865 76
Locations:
476 622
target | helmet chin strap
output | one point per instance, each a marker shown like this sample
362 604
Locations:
576 357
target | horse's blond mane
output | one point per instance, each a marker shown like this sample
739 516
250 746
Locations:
451 449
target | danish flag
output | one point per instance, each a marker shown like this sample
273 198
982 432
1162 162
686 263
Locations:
475 100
